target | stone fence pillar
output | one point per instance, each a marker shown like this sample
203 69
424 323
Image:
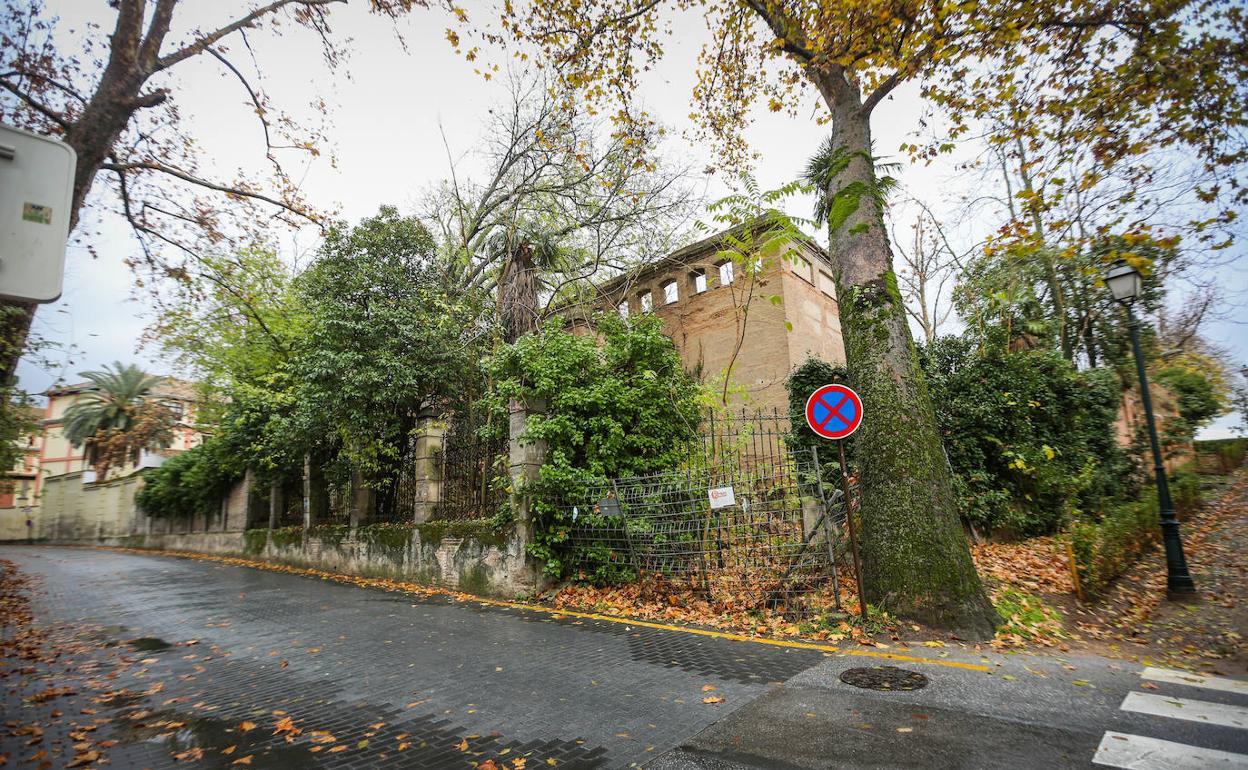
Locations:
427 465
525 462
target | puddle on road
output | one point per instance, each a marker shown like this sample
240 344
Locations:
178 733
149 644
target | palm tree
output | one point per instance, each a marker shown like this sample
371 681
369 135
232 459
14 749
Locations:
119 391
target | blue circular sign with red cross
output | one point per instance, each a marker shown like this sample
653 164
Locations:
834 411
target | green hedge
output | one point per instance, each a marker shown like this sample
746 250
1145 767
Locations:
1230 452
1185 489
1105 549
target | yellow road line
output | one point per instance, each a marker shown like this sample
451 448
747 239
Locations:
828 648
734 637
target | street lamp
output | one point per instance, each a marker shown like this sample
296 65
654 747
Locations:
1125 285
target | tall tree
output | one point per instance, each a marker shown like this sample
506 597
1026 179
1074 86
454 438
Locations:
854 55
384 341
114 103
563 201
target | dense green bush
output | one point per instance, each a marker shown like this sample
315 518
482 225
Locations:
1029 437
1185 491
1199 400
194 481
806 378
618 403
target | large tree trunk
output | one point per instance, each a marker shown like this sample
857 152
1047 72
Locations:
916 559
517 294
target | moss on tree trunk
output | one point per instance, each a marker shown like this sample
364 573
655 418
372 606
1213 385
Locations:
916 559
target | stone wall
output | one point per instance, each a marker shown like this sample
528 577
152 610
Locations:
469 557
13 524
435 553
1165 408
72 510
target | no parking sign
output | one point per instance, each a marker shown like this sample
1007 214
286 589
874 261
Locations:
834 411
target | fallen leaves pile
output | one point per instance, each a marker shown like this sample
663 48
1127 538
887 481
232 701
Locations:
1038 564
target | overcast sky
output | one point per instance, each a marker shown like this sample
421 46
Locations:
386 128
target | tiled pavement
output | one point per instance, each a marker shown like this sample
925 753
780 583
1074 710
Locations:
378 669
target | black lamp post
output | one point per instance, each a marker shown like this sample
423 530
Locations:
1125 285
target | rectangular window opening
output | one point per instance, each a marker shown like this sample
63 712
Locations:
671 293
699 281
725 273
803 268
826 285
647 302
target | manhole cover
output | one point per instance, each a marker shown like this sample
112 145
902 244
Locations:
884 678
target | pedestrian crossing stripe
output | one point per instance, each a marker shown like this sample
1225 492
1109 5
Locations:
1195 680
1139 752
1186 708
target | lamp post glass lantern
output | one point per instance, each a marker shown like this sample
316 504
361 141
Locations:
1126 285
1124 282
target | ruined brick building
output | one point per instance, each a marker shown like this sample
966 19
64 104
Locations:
779 314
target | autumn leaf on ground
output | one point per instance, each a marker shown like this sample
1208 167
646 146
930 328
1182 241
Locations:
712 699
286 726
708 688
190 755
487 765
337 749
518 763
462 745
247 726
242 760
83 759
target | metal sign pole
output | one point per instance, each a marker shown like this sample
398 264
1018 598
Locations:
853 539
825 519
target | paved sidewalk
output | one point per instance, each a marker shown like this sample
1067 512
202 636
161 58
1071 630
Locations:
453 683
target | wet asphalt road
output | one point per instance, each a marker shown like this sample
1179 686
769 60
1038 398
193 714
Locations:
403 681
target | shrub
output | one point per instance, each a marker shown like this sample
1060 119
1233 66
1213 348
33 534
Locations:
616 404
1185 491
1030 438
1105 549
